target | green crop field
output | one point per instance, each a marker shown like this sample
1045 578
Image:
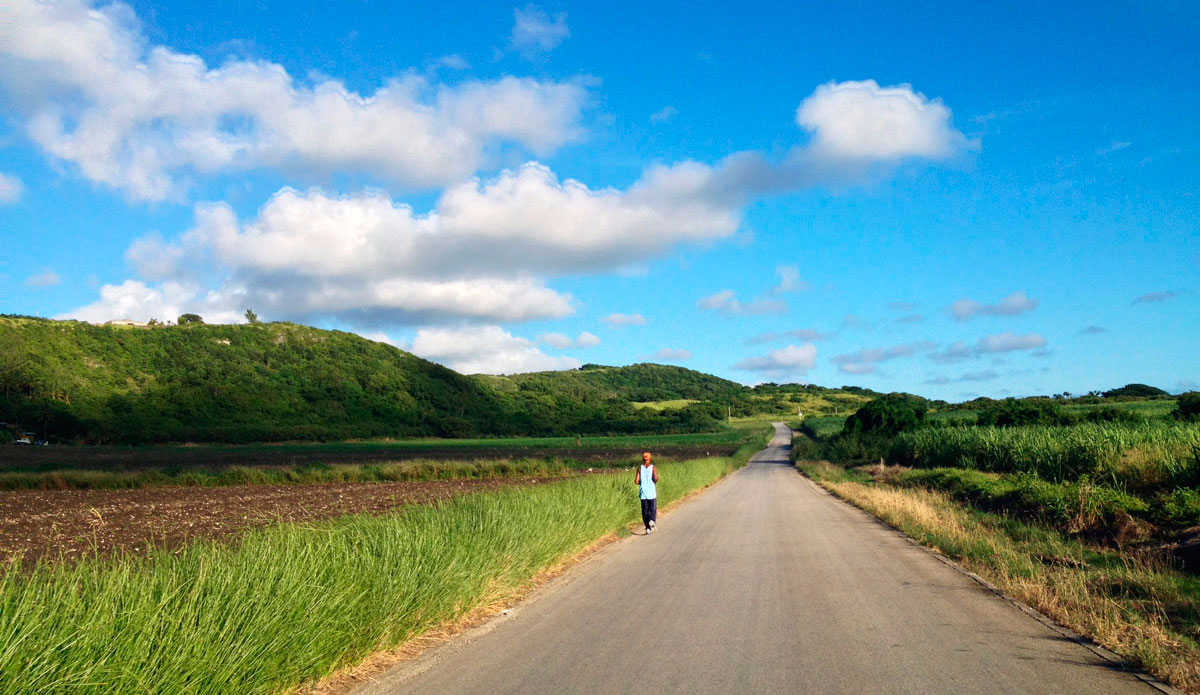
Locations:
1141 455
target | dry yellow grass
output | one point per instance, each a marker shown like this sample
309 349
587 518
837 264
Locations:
1135 606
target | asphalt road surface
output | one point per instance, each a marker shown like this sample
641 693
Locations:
764 584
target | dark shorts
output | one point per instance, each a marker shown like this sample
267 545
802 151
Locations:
649 512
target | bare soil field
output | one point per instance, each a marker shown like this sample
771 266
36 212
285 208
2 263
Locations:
66 525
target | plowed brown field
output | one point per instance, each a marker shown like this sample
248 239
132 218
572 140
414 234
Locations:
65 525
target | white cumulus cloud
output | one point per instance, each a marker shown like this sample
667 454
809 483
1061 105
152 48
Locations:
484 253
485 350
859 122
92 90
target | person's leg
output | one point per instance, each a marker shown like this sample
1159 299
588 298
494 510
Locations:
653 511
646 513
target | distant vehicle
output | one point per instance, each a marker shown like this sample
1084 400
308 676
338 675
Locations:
22 440
40 442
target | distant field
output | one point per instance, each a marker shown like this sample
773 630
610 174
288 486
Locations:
1147 408
79 466
825 426
965 417
665 405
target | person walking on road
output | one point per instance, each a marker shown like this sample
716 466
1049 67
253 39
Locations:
646 479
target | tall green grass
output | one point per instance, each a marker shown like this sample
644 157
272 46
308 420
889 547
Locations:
291 604
1140 455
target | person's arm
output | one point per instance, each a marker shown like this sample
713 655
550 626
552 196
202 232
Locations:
654 472
637 476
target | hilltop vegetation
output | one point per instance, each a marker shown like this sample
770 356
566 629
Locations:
72 381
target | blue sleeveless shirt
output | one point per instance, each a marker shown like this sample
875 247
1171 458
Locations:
647 488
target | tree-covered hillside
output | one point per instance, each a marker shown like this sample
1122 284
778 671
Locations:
73 381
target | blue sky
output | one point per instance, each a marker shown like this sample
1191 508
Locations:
947 199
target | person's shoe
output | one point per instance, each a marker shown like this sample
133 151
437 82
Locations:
652 525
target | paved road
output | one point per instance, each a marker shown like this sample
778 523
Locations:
764 584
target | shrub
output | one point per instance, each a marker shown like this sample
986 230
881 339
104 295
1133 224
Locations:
1014 413
1188 407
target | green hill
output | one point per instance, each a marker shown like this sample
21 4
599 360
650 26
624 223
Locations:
76 382
73 381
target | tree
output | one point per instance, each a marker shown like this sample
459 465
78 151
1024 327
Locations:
251 317
1135 391
887 415
185 319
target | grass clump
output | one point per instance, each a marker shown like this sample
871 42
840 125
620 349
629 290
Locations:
1078 506
291 604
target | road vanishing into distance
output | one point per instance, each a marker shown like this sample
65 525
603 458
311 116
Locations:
763 584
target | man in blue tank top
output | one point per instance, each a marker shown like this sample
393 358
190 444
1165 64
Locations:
645 478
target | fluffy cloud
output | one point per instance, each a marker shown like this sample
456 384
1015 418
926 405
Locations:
727 303
854 123
535 33
92 91
1013 304
136 300
672 355
790 360
864 361
1154 297
483 253
10 189
485 350
620 320
564 342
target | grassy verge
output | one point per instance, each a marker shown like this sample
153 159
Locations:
1132 604
291 604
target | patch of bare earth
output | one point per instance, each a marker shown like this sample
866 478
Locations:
65 525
